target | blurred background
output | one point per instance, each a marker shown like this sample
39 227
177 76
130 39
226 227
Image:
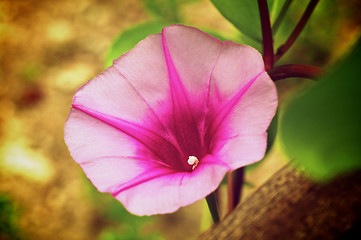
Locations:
50 48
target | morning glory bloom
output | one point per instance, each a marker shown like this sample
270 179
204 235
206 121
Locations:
160 128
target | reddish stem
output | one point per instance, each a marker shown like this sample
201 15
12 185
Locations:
296 32
294 70
230 191
238 179
266 34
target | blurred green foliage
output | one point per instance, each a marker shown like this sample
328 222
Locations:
320 36
8 219
130 233
126 225
321 129
163 9
244 15
166 10
127 39
30 72
166 13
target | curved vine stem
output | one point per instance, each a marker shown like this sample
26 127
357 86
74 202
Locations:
296 32
294 70
230 191
266 34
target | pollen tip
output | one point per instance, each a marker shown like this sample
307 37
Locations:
193 161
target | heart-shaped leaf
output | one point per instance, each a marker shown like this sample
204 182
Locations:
244 14
321 130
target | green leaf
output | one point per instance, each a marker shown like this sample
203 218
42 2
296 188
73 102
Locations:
9 219
166 10
244 14
321 129
130 37
275 7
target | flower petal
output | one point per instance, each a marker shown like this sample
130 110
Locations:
145 69
194 54
236 66
256 109
246 98
110 93
167 193
241 150
108 157
239 75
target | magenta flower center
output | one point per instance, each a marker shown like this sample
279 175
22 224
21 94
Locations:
182 145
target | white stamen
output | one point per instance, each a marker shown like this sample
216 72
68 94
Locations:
193 161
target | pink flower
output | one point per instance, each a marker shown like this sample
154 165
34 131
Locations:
160 128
